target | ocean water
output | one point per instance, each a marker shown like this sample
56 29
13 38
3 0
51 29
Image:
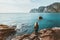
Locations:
25 21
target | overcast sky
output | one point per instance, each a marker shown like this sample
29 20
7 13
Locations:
14 6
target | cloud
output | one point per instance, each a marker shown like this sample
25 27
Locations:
12 6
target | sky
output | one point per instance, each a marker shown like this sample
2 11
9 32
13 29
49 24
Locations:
16 6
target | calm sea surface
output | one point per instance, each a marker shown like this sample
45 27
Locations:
25 21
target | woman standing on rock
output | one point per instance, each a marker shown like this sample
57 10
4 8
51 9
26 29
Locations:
36 27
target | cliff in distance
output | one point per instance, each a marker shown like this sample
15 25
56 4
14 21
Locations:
55 7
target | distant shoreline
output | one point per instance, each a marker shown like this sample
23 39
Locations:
52 8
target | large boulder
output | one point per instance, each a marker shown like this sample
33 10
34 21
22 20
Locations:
5 31
50 34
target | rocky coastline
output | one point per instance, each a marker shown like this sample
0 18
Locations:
44 34
7 33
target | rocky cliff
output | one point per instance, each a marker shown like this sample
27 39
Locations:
55 7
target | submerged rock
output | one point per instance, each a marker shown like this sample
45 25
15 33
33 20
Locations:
40 17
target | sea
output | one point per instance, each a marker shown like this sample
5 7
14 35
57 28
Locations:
25 21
